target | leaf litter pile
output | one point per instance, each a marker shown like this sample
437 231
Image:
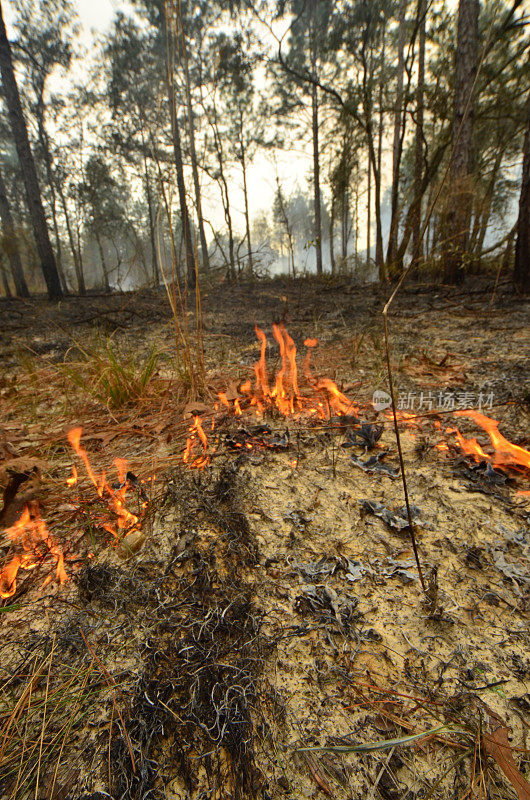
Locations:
249 622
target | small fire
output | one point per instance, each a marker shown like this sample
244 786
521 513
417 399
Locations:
125 522
285 395
506 453
320 398
197 434
33 543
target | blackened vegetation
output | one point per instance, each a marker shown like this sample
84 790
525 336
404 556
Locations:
191 715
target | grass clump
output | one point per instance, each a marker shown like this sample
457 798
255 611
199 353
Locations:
111 377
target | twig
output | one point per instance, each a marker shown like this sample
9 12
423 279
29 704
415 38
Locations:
400 452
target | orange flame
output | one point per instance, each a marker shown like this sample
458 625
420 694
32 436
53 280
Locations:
506 453
126 521
30 536
196 432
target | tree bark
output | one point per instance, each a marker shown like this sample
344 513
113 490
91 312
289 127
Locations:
245 195
458 216
103 263
151 216
11 247
379 242
316 179
332 236
45 146
181 187
521 272
194 167
179 168
31 183
78 266
369 211
397 144
417 248
5 283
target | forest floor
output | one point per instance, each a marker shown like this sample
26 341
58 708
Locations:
261 630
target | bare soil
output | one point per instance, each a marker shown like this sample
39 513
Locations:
270 622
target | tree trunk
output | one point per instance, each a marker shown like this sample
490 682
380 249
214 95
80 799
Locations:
245 195
103 263
45 146
181 187
31 183
397 144
5 283
417 248
194 168
458 216
81 288
223 184
521 271
179 167
151 216
316 179
379 241
331 237
11 246
482 217
369 211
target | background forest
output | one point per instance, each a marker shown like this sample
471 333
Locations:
249 138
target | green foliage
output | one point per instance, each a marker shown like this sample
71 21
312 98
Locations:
112 378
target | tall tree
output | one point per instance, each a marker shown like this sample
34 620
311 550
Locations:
521 271
31 183
419 136
309 54
458 217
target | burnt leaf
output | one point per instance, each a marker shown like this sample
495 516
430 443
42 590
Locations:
366 436
373 465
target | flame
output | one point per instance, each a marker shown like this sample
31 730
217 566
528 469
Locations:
73 480
286 396
506 453
196 433
30 536
125 520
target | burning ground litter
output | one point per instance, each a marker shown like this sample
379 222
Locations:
274 606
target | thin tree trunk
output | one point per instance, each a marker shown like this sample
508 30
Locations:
417 249
332 236
45 145
458 217
151 216
31 183
11 246
7 289
398 139
245 195
103 263
224 193
379 242
369 211
316 179
81 288
193 154
356 227
521 271
179 167
482 217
